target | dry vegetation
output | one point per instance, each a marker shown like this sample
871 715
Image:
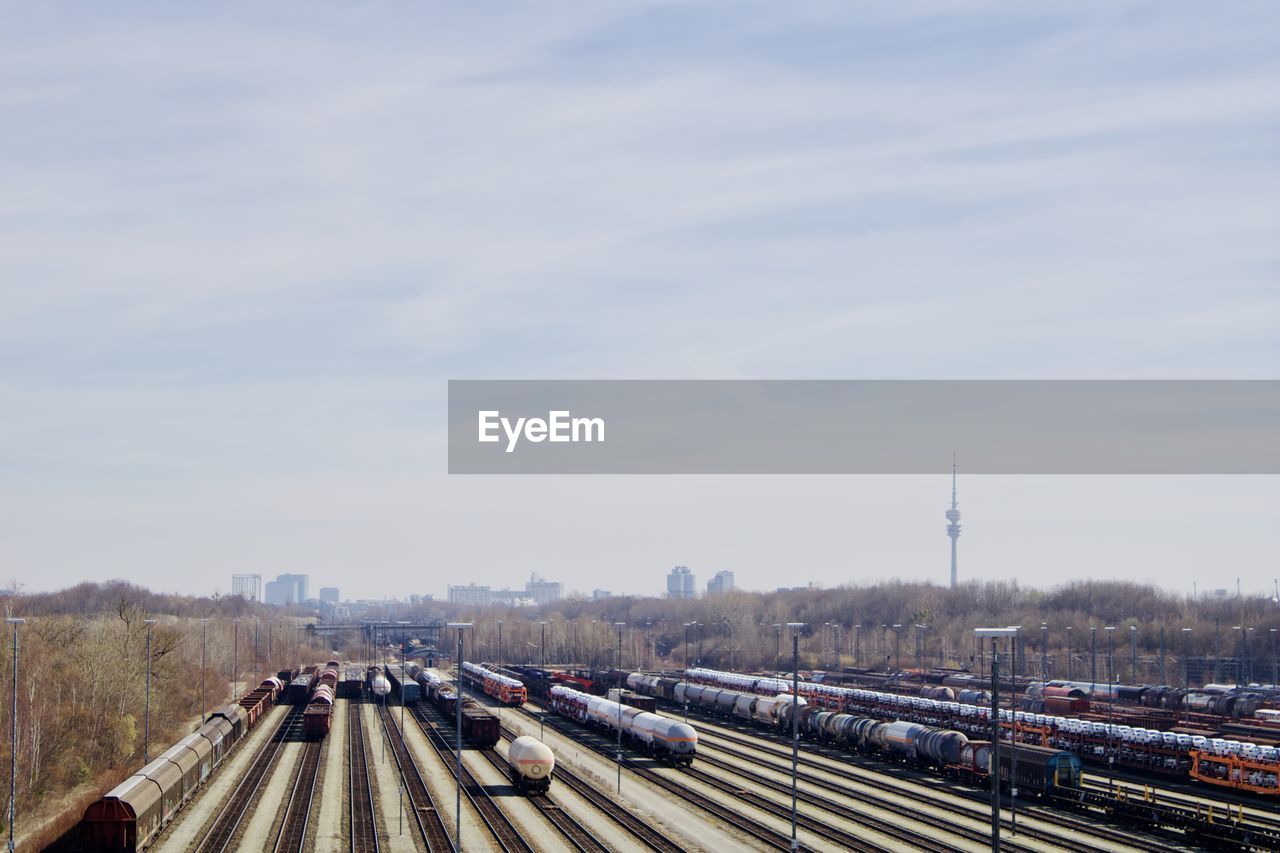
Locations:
82 686
82 662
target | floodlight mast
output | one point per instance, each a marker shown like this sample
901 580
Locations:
996 634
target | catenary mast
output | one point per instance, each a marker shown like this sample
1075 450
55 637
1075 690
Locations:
953 521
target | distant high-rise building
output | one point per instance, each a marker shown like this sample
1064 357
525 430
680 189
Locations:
597 594
953 522
287 589
470 594
721 583
248 587
542 591
681 583
329 595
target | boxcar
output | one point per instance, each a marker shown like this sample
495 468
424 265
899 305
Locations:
1041 769
218 733
402 688
127 818
238 718
188 764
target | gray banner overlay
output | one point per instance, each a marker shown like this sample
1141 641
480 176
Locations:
864 427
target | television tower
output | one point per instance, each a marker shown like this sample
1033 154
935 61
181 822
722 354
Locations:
953 521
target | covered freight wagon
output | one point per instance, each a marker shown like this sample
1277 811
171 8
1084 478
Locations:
1041 770
127 818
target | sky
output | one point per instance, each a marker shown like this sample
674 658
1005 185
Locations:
243 247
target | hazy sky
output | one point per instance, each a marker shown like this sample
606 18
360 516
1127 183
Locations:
243 247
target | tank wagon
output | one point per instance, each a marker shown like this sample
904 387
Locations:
130 815
532 764
652 733
1243 765
504 688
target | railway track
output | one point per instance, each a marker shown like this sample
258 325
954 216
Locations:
1226 808
218 835
911 838
763 834
641 831
426 816
297 813
364 827
976 812
578 836
504 832
1106 837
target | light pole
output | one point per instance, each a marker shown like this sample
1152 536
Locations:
1275 661
204 653
921 641
1093 654
619 626
402 703
381 687
1070 654
1133 653
795 724
457 803
1013 751
13 731
1239 656
146 726
542 718
995 634
897 635
686 644
499 642
1111 704
1044 651
235 657
1186 671
857 646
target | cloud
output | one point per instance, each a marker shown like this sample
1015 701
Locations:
242 246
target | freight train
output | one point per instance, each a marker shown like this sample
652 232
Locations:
504 688
478 725
652 733
130 815
1048 771
1244 766
319 711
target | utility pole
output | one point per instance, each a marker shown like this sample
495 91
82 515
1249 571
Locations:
619 626
1093 654
1070 653
795 726
457 803
14 622
1111 704
542 717
235 658
857 645
1013 738
995 634
204 652
1133 653
1044 651
146 736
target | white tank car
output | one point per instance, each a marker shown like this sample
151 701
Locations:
532 763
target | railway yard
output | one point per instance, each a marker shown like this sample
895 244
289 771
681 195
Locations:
329 758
